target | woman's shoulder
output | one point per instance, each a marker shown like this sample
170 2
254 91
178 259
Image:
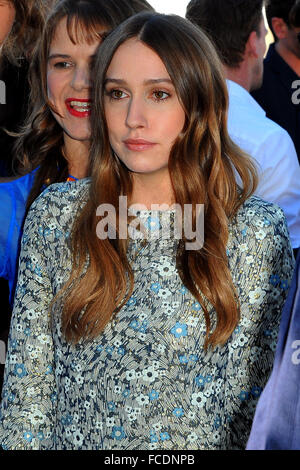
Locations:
58 203
261 221
258 211
259 244
69 193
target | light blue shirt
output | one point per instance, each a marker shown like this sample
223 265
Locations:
273 151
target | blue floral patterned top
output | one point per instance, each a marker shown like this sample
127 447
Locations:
146 382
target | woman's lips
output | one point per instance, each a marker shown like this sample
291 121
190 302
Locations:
138 145
78 107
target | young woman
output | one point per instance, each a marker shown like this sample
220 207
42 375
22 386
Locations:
56 135
119 342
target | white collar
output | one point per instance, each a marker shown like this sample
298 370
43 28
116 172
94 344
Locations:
238 92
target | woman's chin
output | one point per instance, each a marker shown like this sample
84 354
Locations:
79 136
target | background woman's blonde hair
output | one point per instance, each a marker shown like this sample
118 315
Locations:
202 164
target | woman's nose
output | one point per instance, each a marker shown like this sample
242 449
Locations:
136 113
81 78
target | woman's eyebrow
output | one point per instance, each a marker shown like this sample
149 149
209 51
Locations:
66 56
118 81
62 56
151 81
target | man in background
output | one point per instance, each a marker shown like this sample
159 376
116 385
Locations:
279 95
238 31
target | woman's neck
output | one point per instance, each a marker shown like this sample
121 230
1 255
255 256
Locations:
76 153
151 189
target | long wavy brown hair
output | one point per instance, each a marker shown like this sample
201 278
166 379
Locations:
203 164
40 141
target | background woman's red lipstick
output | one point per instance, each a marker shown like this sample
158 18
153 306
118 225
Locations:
78 107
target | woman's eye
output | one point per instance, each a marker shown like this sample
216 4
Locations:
117 94
62 65
160 95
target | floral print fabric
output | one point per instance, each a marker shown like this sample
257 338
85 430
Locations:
146 382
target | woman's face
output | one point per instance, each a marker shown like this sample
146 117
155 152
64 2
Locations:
143 113
68 82
7 18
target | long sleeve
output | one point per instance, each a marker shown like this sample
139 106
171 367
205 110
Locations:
276 424
28 399
146 382
263 262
